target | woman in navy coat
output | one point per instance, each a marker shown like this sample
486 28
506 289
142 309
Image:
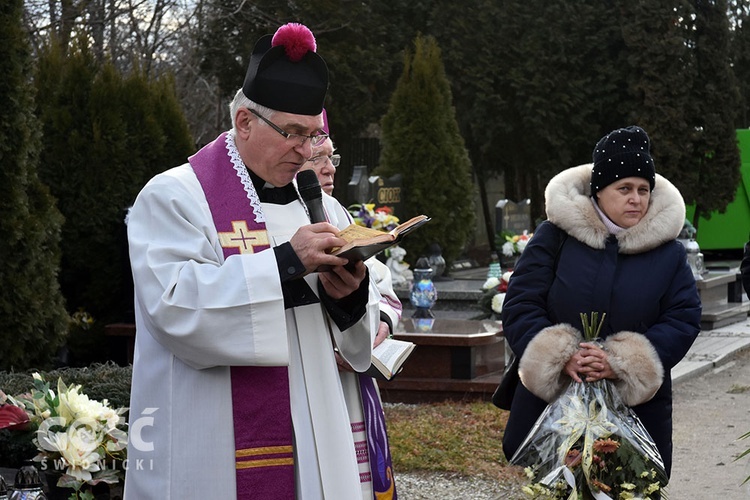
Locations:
609 246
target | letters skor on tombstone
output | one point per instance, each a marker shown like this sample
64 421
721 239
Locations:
512 217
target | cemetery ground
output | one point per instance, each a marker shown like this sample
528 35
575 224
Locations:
453 451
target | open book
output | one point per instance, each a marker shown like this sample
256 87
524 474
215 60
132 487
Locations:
364 242
389 357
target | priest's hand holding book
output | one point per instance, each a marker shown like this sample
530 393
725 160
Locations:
312 243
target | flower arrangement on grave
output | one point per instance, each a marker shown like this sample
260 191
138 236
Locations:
368 215
493 295
83 439
512 245
81 319
588 445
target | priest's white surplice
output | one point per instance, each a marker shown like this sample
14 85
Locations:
197 314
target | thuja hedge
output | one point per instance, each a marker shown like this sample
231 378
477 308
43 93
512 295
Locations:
105 135
32 309
99 381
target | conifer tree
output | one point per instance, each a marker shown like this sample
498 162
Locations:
659 82
421 141
715 99
106 135
33 321
681 89
740 54
532 82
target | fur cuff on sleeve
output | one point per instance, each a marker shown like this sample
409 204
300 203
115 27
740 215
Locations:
541 365
637 365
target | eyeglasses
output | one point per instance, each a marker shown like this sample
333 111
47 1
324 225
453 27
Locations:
318 160
315 140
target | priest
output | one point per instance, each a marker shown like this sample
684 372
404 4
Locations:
235 390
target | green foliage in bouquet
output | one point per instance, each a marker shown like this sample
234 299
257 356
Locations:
592 325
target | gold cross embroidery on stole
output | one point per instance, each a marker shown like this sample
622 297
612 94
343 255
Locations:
243 238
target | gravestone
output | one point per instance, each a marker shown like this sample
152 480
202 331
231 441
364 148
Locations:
512 217
375 189
358 188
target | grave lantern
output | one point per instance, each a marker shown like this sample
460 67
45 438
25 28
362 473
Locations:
3 489
28 486
423 293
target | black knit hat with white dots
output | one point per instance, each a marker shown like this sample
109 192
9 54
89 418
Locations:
624 152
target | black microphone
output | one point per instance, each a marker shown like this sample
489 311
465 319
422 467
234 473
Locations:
309 190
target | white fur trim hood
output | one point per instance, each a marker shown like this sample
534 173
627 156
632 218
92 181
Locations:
569 207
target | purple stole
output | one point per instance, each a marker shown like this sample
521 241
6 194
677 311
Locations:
381 469
263 435
378 451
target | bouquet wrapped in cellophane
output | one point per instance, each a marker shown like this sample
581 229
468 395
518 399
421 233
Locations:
588 445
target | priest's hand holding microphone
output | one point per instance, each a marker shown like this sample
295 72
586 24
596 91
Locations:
312 242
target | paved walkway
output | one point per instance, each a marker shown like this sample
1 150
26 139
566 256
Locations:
712 349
